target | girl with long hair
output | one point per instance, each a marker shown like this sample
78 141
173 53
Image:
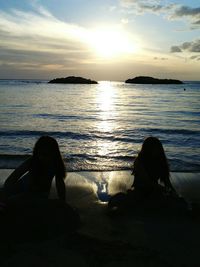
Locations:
35 175
151 182
151 167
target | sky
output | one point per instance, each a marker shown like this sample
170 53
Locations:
100 39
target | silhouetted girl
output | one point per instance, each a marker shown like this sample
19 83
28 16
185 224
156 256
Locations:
151 168
151 179
35 175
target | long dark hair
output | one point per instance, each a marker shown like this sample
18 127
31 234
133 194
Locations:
48 145
154 160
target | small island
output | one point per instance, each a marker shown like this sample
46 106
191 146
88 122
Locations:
74 80
151 80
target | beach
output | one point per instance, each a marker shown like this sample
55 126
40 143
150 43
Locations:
123 240
100 133
100 129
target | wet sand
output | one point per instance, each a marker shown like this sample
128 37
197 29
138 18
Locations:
123 240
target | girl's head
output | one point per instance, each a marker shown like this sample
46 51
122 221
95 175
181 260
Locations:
153 158
152 148
46 150
46 153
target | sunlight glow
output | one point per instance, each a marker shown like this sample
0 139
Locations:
110 43
105 100
105 96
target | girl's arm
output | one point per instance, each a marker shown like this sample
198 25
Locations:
60 186
17 173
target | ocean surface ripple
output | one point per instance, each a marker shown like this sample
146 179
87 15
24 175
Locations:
100 127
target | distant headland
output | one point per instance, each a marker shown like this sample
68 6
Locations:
73 79
151 80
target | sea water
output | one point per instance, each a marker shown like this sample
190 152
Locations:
100 126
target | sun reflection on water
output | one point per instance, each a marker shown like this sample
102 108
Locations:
105 97
105 102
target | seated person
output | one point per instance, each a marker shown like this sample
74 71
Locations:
35 175
151 184
151 169
26 193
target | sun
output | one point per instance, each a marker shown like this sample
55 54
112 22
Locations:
109 43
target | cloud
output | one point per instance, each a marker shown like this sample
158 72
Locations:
175 49
171 11
192 13
189 47
193 46
160 58
19 23
142 6
196 57
187 11
127 3
38 40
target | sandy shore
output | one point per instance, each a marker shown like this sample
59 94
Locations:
103 240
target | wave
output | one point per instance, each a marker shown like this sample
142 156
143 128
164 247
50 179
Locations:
24 133
62 117
94 157
126 137
72 135
171 131
75 162
85 162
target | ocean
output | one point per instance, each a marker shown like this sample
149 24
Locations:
100 126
